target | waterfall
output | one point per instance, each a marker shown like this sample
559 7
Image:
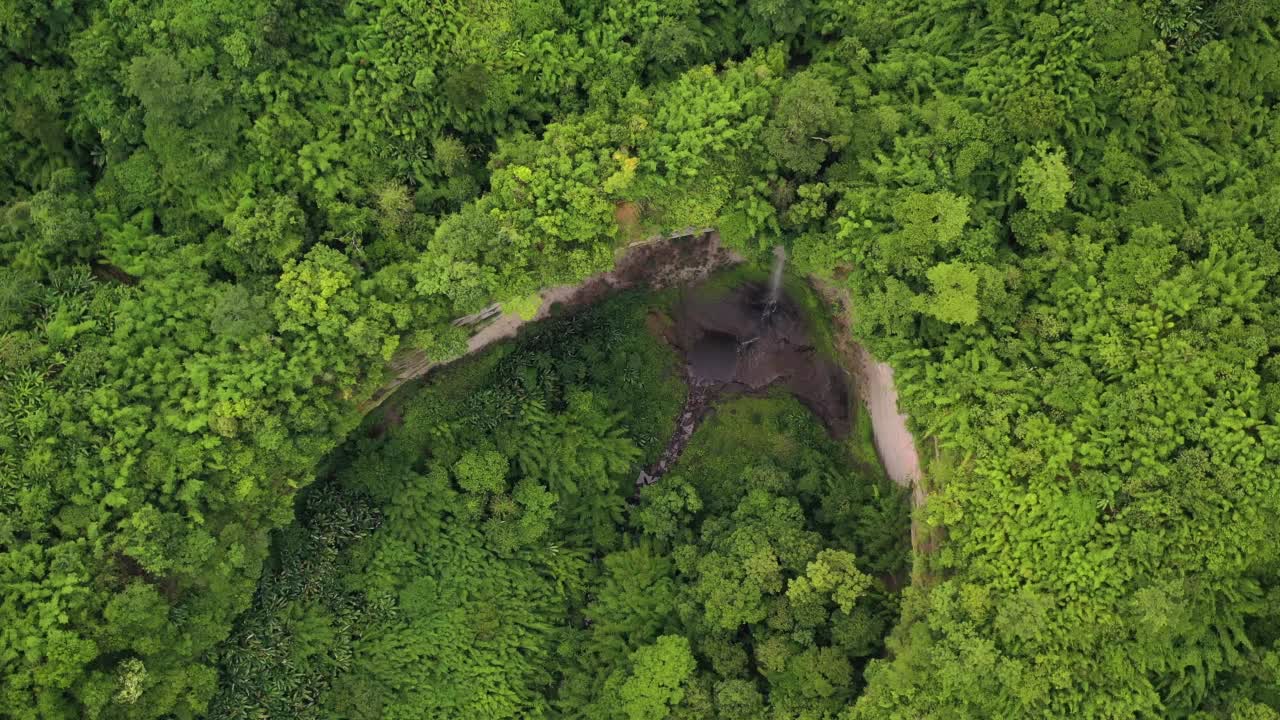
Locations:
775 280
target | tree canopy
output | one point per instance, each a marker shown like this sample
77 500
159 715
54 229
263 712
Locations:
220 221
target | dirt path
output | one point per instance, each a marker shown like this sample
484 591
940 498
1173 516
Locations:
873 380
894 442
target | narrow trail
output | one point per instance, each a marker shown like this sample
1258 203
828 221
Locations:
873 379
894 442
895 445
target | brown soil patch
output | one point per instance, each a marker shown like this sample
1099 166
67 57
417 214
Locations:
110 273
661 327
627 215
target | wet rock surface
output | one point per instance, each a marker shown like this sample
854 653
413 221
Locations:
738 341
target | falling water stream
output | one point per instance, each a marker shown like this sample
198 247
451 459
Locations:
775 280
771 298
742 343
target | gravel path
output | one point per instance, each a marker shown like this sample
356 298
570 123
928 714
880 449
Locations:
874 383
894 442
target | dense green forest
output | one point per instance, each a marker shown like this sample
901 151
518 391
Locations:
478 556
220 220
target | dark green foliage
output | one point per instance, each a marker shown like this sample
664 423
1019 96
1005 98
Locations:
496 499
506 579
746 570
298 634
220 219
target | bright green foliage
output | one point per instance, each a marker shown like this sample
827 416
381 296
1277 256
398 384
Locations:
220 219
833 573
654 683
955 294
746 557
526 307
1044 180
775 615
483 471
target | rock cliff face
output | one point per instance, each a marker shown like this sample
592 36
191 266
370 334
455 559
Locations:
743 341
736 341
686 257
